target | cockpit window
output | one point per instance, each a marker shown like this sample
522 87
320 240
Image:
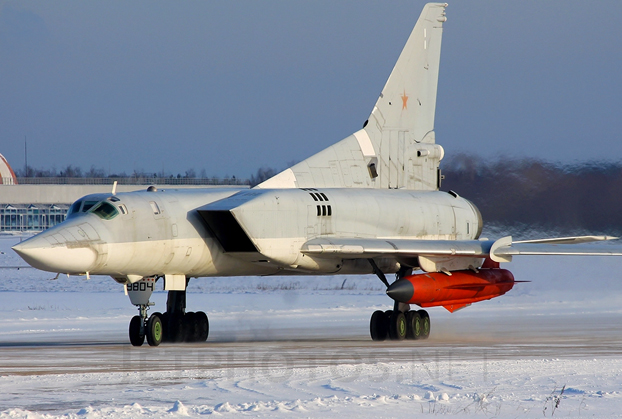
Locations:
88 205
75 207
105 210
80 206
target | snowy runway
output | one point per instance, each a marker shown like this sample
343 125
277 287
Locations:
299 347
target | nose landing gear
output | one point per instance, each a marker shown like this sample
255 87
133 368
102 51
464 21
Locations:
154 330
175 325
140 326
137 331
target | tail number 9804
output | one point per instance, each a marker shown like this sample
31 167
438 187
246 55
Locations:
140 286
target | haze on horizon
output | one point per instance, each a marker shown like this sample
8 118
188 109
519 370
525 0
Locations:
230 87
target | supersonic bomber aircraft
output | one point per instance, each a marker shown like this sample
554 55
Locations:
368 204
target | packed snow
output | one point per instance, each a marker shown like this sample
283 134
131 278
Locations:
300 347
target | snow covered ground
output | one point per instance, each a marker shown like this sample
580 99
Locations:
300 347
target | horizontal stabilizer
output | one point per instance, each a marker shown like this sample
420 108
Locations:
504 249
569 240
560 249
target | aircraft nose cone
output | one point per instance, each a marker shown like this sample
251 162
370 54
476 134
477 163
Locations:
39 253
401 291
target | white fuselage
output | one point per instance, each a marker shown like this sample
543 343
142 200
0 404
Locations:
176 232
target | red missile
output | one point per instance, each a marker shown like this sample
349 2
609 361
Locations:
454 291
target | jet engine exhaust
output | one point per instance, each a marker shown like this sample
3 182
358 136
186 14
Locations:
453 292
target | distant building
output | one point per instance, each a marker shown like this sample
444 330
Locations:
23 210
37 204
7 175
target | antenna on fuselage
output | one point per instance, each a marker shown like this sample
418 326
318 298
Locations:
114 187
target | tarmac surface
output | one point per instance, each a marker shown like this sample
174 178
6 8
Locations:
580 336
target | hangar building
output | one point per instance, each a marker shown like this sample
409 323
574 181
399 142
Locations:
35 204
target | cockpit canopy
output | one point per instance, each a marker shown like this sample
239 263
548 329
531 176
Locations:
97 205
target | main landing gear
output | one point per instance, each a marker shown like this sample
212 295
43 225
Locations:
401 322
174 325
396 325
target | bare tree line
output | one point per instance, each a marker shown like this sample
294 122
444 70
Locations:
71 171
540 194
508 191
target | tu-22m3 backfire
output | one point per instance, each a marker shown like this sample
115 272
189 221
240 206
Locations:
368 204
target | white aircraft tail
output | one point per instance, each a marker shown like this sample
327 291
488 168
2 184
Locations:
396 147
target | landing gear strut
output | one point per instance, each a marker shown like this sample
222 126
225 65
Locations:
142 327
401 322
139 325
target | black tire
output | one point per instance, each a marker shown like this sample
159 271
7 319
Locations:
154 330
414 326
136 338
425 324
397 326
175 330
190 327
387 316
378 326
165 327
202 326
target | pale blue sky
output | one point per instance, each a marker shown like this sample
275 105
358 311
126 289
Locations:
232 86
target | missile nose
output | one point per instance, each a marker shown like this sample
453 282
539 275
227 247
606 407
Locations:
39 253
401 291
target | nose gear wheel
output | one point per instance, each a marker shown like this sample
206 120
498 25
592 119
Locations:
137 331
154 329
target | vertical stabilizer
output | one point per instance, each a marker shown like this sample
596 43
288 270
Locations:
396 148
408 99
